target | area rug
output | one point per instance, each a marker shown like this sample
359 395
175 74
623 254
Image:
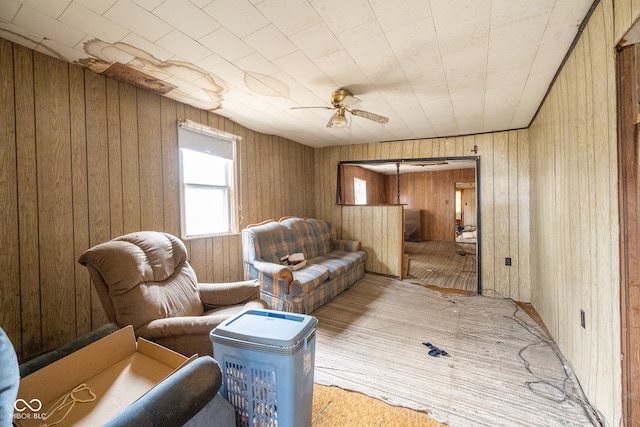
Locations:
333 406
500 368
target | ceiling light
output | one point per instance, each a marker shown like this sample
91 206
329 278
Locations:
339 120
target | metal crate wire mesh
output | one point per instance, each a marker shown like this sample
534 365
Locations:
253 393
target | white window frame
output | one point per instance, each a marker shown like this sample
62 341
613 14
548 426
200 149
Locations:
203 139
359 191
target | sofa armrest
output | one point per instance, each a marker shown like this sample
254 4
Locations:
175 400
347 245
222 294
276 271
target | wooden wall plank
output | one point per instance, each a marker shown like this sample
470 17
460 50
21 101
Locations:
115 157
97 159
131 209
86 299
10 315
523 243
150 161
27 201
170 166
55 200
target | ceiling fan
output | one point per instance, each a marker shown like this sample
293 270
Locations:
342 100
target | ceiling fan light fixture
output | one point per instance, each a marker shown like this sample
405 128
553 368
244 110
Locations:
339 121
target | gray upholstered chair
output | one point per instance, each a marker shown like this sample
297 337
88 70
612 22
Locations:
143 279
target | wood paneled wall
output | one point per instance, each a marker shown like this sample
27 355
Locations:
379 230
574 219
376 194
434 194
504 196
84 159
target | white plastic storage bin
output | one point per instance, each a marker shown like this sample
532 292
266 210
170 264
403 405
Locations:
267 359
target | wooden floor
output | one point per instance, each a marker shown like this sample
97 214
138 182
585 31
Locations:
440 264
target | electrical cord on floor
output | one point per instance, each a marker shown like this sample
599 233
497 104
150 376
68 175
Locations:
594 415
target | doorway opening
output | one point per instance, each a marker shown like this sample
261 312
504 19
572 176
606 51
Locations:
427 188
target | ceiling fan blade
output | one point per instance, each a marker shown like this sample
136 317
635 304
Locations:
349 101
300 108
371 116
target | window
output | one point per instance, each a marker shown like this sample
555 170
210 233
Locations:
360 191
207 169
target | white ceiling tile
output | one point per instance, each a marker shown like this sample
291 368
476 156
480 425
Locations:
98 6
363 40
19 35
148 4
202 3
219 66
138 20
238 16
414 38
50 28
93 24
186 17
226 44
465 69
270 42
9 9
336 63
318 83
316 41
49 47
515 35
342 15
509 12
134 41
393 14
289 16
256 63
51 8
296 64
447 13
354 81
376 63
547 60
180 44
107 52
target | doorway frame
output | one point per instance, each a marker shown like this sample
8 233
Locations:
476 159
628 130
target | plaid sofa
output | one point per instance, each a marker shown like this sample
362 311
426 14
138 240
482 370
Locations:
332 265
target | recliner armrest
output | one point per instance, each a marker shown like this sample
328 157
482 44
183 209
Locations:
175 400
224 294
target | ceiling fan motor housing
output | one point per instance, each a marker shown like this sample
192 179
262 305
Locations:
338 96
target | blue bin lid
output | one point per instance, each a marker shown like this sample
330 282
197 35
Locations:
268 327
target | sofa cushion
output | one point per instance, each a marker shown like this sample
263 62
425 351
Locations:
273 241
303 236
323 240
339 262
309 278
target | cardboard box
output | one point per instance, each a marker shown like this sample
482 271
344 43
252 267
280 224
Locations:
116 370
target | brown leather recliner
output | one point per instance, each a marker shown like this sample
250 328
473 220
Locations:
143 279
